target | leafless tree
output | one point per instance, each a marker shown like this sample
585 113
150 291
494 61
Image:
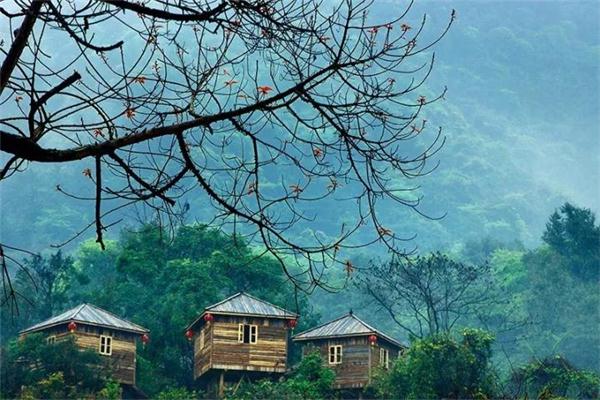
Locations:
430 294
225 96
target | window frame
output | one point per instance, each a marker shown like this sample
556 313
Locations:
384 358
51 339
105 345
252 333
335 356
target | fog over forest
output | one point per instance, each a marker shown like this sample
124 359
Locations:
520 120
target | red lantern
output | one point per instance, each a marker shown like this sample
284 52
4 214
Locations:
72 327
145 338
372 340
208 318
291 323
189 334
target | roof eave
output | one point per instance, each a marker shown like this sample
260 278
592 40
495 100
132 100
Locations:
199 319
349 335
41 328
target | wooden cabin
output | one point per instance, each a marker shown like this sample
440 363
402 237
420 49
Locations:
94 328
352 348
241 336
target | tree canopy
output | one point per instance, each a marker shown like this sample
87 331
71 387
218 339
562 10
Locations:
573 233
32 367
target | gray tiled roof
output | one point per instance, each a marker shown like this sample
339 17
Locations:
90 314
245 304
347 325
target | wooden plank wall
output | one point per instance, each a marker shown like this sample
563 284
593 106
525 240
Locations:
393 353
223 351
202 354
354 371
121 362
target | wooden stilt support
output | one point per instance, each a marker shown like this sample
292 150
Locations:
236 387
222 385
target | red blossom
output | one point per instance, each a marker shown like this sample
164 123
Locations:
130 113
264 90
139 79
296 189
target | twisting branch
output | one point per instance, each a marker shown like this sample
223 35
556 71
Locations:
272 111
99 227
14 54
46 96
430 294
79 40
154 191
190 16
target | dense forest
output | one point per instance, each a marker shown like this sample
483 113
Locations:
517 330
492 282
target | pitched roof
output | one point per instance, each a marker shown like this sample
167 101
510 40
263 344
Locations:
88 314
344 326
245 304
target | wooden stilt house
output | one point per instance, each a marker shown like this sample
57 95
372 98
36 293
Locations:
94 328
241 336
352 348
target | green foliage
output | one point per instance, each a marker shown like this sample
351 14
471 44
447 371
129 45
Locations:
441 367
50 370
309 380
164 283
52 387
573 233
177 394
563 310
111 391
480 251
45 282
554 377
556 304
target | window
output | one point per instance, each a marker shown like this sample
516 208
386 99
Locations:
51 339
248 333
335 354
202 339
105 345
384 358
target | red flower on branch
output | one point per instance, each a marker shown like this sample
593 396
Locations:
264 90
130 113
